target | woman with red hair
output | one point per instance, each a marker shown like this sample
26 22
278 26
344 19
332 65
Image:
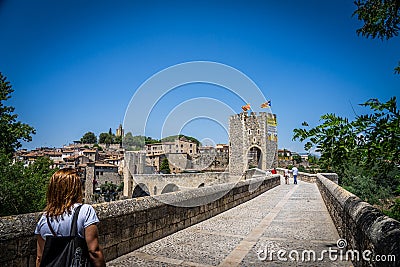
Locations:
64 195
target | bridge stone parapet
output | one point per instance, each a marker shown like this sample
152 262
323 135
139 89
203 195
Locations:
253 173
126 225
361 225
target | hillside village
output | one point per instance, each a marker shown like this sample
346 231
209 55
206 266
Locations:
104 163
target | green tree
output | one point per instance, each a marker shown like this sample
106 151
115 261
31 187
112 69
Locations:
99 148
129 142
364 152
11 130
106 138
150 140
137 142
313 159
118 140
296 158
381 19
23 190
172 138
37 177
109 191
89 138
164 168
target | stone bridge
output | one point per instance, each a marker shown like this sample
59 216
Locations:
155 184
253 222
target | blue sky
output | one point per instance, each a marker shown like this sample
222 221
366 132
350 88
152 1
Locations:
75 65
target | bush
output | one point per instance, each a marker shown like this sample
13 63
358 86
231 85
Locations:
23 189
394 211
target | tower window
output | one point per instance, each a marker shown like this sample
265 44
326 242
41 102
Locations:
249 131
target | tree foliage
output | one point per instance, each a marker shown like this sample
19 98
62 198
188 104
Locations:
118 140
164 168
172 138
109 191
89 138
381 19
137 142
364 152
11 130
133 143
106 138
23 189
150 140
110 138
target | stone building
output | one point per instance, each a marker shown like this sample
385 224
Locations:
92 154
212 159
253 142
96 174
178 152
181 145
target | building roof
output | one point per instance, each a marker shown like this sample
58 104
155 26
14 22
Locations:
89 151
100 164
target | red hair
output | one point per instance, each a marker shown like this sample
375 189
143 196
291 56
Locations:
64 190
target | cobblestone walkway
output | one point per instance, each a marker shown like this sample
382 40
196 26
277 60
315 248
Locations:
292 218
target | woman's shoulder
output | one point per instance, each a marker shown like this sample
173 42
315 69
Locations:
84 208
87 209
42 218
88 214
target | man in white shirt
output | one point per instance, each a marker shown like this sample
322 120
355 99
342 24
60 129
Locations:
295 171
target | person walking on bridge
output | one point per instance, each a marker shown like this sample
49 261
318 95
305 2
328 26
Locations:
295 172
286 175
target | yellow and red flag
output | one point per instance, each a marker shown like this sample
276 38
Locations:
266 104
246 107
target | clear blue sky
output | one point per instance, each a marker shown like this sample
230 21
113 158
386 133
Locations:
75 65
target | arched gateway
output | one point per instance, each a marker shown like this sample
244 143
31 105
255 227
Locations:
253 142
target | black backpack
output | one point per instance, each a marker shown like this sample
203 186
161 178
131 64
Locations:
66 250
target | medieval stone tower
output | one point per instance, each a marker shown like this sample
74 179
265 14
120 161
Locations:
253 142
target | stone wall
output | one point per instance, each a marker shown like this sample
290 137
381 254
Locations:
211 161
253 173
129 224
361 225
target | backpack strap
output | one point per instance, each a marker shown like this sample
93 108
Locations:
49 225
74 226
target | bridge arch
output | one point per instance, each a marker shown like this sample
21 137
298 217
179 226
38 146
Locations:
170 188
254 157
140 190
